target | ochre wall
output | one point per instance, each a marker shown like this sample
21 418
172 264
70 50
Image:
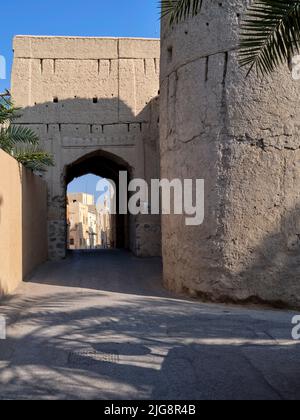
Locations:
23 217
10 224
34 225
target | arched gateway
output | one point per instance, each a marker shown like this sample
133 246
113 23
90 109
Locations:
93 103
89 97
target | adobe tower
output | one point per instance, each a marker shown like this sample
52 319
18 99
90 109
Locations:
242 136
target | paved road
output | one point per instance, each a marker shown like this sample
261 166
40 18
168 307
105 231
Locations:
99 325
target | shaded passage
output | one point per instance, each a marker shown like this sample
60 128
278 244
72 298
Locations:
100 325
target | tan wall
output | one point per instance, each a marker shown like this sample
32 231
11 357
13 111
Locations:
34 207
23 215
10 224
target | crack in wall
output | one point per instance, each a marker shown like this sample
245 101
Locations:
201 57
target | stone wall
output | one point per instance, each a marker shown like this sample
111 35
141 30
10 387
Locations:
242 136
86 95
23 227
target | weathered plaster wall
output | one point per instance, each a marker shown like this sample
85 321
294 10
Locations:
243 137
23 227
83 95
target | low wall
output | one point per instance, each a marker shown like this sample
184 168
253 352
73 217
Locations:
23 218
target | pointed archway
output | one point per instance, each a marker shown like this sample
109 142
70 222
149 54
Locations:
107 166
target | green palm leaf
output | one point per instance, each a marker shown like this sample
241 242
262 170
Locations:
5 115
270 34
19 141
178 10
33 158
19 134
7 112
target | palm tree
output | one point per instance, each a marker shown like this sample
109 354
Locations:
178 10
20 142
270 30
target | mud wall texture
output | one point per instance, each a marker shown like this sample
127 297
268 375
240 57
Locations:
89 97
242 136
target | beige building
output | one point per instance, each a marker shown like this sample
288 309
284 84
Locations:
86 199
93 223
89 226
106 225
78 223
82 222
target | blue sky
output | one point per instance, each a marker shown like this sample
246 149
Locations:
128 18
116 18
90 184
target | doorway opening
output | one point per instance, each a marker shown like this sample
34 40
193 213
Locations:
90 224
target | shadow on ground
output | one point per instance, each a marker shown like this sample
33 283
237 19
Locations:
114 270
73 342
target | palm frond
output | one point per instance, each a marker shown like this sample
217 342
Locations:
19 134
178 10
270 34
7 112
5 143
11 136
33 158
19 141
